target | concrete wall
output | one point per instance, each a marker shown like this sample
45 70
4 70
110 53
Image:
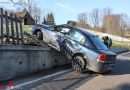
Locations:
20 60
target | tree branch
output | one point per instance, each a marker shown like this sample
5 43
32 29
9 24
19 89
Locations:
17 3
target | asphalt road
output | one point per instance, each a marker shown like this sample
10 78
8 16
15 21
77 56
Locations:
64 78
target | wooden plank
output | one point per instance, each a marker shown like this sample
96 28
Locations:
21 29
34 38
11 37
7 27
12 28
17 31
2 29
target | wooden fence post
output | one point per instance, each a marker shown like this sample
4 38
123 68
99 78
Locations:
11 23
12 28
7 27
17 32
2 34
21 30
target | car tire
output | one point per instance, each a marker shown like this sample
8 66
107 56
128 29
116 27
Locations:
107 72
39 35
79 63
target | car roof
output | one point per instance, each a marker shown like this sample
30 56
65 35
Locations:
84 32
43 25
64 25
81 30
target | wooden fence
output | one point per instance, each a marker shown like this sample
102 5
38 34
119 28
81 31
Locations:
10 28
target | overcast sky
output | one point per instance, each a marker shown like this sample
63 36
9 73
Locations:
65 10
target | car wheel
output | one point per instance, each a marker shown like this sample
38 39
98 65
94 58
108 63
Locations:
39 35
107 72
78 63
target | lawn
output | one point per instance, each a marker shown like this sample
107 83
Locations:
27 28
119 44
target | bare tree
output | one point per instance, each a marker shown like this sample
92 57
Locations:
116 24
24 3
31 6
95 17
124 24
16 2
112 24
19 9
105 12
125 21
82 20
36 13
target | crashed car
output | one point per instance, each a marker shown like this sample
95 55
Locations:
85 50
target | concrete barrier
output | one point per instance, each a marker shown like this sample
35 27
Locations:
21 60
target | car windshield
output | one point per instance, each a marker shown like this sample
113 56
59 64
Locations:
98 43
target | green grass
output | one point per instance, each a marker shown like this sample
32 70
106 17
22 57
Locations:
119 44
27 28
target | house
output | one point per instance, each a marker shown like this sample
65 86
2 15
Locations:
112 24
26 18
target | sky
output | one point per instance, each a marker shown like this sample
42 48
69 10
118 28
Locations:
65 10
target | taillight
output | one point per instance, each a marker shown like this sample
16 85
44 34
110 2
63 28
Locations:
102 57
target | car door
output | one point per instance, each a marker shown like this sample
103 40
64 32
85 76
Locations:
56 36
61 34
52 39
73 42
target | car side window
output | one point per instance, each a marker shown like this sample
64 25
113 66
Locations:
89 44
77 36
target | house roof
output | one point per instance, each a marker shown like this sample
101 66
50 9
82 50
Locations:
21 14
28 20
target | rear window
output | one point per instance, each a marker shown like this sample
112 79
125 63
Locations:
98 43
